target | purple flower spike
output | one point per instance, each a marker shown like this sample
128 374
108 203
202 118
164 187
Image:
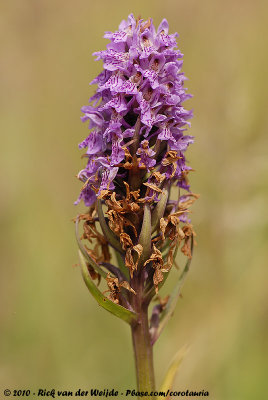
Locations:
135 154
141 81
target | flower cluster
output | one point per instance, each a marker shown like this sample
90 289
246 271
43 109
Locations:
135 154
136 118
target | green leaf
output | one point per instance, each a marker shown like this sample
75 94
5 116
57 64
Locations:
172 371
121 264
145 235
159 210
106 230
116 309
173 299
89 259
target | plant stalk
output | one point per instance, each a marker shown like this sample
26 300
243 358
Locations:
143 350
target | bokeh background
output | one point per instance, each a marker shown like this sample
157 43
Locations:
52 332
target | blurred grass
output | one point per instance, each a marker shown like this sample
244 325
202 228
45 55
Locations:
52 332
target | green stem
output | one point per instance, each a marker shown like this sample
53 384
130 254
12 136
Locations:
143 350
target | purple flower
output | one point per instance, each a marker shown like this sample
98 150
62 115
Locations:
146 155
136 112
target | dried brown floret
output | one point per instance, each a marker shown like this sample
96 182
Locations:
186 201
94 275
129 194
170 256
188 233
153 187
114 287
158 265
170 225
159 177
163 301
101 249
171 158
145 25
132 260
117 222
125 241
120 212
104 194
157 278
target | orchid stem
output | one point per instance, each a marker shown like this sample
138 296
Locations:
142 346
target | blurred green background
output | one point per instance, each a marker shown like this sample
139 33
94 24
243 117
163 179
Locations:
52 332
